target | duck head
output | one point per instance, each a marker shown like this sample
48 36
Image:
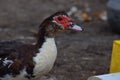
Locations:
60 21
64 22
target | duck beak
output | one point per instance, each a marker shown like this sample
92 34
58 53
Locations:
75 27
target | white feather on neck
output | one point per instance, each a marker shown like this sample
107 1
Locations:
45 58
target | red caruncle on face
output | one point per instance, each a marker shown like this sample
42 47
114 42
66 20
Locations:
63 20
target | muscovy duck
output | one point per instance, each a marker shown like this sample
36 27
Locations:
20 61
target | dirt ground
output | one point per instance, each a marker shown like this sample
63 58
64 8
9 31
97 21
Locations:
80 54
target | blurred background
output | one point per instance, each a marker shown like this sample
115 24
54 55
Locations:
80 54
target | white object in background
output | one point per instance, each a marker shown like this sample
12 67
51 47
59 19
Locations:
73 10
112 76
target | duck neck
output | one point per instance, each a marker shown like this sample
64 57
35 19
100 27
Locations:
45 31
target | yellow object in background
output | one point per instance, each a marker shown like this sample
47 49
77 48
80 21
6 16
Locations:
115 58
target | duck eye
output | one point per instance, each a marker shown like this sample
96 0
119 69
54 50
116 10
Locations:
59 18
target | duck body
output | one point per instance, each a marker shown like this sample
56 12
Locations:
20 61
14 58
